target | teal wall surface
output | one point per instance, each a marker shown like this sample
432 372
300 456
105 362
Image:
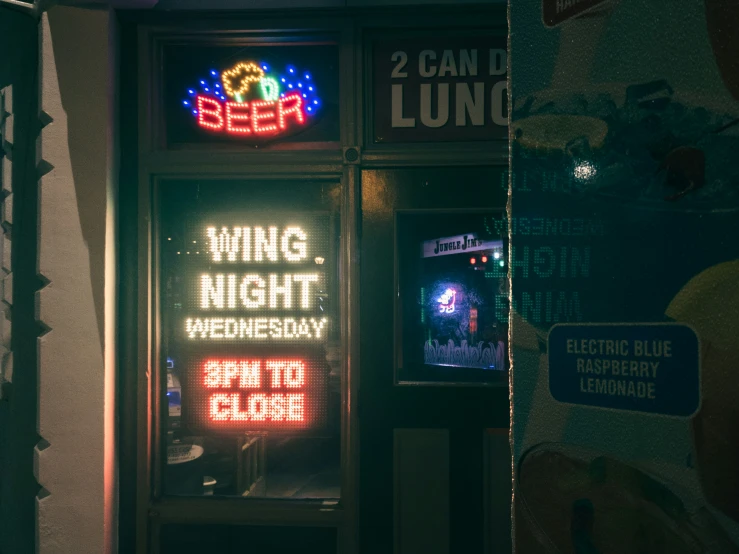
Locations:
625 218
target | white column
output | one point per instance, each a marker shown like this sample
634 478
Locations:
77 201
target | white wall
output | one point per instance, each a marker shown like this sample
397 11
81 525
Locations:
76 458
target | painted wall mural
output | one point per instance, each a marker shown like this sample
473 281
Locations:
625 120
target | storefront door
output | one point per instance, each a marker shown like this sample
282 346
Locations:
433 378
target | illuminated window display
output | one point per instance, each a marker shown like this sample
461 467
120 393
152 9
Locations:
254 95
453 299
249 322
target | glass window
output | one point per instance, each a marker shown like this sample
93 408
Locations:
250 337
453 298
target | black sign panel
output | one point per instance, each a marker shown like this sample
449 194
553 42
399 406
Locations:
440 89
555 12
254 96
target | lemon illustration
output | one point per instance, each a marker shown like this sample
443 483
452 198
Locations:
709 302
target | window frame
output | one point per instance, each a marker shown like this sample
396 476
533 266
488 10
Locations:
146 161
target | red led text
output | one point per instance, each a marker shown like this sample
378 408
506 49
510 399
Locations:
253 390
256 118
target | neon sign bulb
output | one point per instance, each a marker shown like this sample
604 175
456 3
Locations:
275 368
265 245
287 373
256 297
318 326
292 104
209 113
270 88
246 250
256 117
231 294
305 280
251 376
236 112
224 242
211 293
294 375
244 73
446 301
286 290
258 407
231 104
236 413
216 403
212 379
297 250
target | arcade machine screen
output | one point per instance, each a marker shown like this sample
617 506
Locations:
454 305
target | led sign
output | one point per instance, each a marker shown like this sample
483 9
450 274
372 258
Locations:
255 322
253 393
247 100
259 304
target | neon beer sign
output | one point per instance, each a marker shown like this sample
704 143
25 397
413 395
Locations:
249 101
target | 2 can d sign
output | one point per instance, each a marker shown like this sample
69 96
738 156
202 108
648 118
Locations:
431 90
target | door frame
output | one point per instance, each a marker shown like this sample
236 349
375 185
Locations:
144 161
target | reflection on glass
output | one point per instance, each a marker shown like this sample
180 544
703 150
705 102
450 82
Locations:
250 338
453 298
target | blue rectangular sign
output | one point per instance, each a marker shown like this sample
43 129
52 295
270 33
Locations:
652 368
